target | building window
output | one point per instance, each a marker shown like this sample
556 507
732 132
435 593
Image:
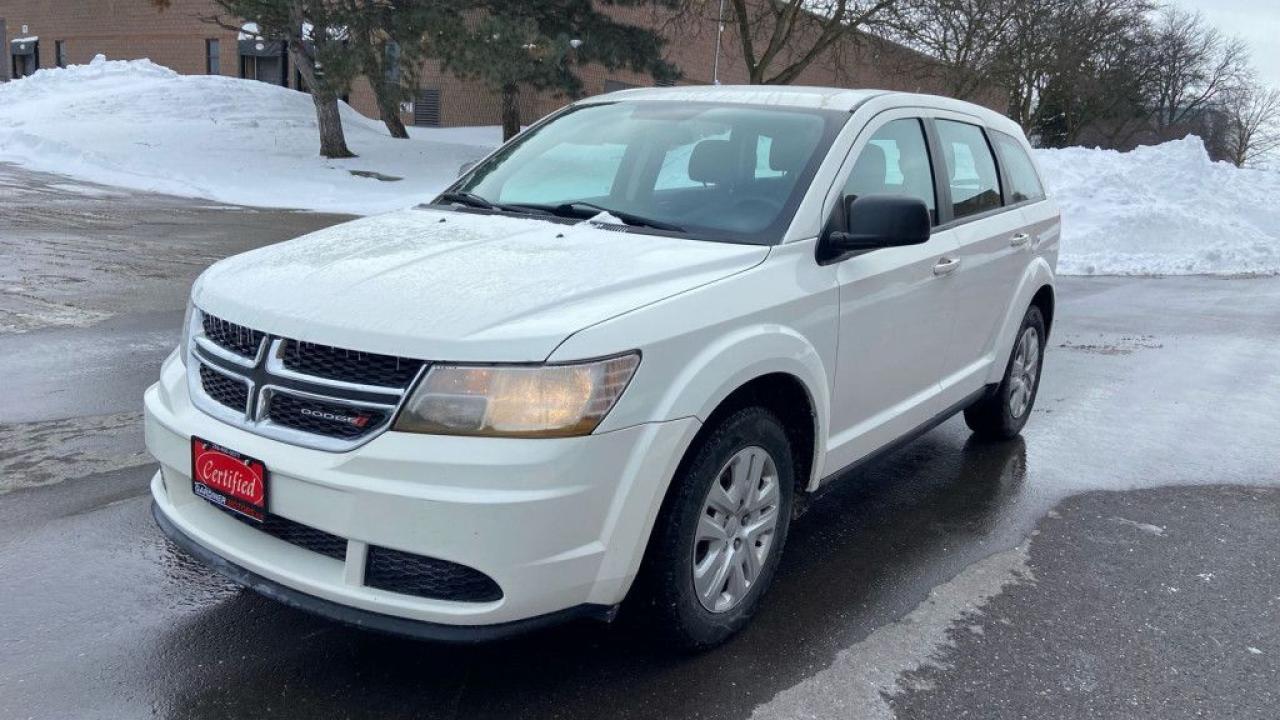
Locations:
611 85
60 52
212 57
264 61
426 107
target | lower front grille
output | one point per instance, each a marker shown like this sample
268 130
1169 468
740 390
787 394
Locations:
409 574
225 390
304 536
322 418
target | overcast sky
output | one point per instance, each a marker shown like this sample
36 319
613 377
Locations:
1257 21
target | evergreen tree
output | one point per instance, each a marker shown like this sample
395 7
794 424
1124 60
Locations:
316 39
536 44
388 40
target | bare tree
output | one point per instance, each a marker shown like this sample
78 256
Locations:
1027 58
1196 65
1253 123
781 38
962 41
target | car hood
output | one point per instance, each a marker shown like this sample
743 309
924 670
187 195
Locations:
444 285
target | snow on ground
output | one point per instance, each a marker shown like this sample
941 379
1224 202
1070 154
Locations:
134 124
1163 210
138 125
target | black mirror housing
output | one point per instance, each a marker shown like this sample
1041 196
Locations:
880 221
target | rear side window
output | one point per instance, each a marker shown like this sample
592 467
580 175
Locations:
1024 182
895 161
971 169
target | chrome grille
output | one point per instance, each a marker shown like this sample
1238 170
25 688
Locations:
311 395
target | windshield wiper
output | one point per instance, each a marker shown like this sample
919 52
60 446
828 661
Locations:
475 201
468 199
570 208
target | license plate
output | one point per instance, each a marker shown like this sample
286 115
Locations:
229 479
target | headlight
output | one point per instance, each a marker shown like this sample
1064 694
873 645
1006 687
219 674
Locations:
517 400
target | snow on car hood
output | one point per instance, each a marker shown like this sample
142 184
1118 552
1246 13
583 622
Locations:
444 285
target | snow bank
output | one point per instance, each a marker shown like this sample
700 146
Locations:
1163 210
138 125
1157 210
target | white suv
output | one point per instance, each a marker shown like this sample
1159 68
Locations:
607 362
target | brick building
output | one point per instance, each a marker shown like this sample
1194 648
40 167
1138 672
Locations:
47 33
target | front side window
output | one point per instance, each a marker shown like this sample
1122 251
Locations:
1024 181
895 161
971 169
708 170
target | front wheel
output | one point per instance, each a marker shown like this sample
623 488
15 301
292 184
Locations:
719 536
1001 415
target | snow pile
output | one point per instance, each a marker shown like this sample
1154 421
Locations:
1163 210
1157 210
138 125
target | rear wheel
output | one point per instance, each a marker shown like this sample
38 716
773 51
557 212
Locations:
1002 414
719 537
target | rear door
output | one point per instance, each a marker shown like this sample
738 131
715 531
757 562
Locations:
991 247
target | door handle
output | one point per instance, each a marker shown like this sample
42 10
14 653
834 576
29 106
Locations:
1019 240
946 265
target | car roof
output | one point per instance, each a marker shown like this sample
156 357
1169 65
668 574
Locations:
783 95
800 96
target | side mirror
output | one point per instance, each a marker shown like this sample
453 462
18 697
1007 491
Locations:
880 221
465 167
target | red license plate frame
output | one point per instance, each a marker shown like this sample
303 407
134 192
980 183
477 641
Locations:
229 479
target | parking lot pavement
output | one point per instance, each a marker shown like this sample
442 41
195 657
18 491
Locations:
74 254
1119 560
1179 586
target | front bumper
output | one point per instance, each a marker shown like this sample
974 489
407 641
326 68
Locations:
559 524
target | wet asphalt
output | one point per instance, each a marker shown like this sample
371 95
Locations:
1118 561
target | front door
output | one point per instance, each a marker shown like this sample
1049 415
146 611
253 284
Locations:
895 317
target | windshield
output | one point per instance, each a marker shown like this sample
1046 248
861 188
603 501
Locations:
716 171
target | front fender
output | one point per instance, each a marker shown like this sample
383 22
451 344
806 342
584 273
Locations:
679 384
738 358
1037 274
688 376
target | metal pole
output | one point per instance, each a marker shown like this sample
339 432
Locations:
715 68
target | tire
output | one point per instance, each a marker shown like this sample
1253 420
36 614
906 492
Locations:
1002 414
667 591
